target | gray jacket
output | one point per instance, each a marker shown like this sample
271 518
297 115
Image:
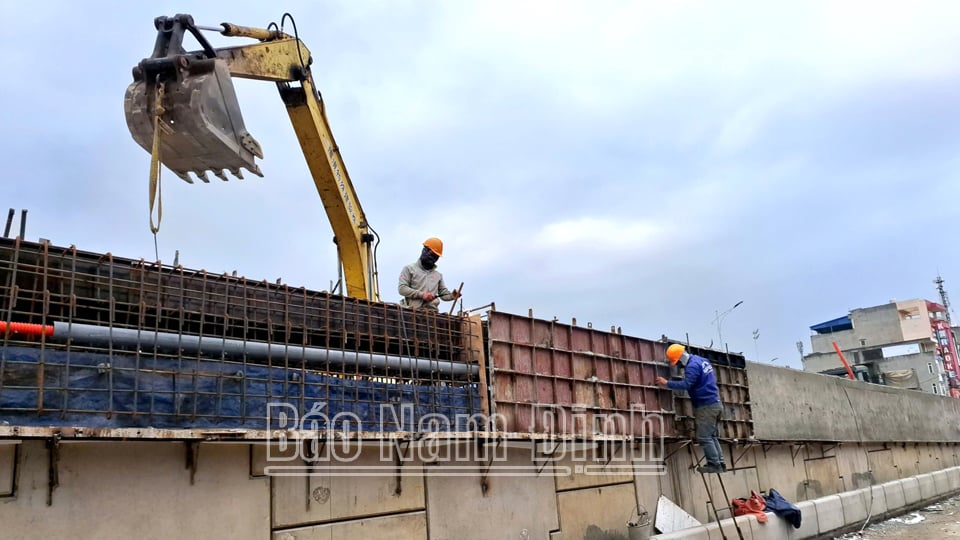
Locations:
415 280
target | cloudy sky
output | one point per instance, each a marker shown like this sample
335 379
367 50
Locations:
639 164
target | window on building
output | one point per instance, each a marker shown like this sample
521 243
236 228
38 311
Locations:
934 388
930 367
863 342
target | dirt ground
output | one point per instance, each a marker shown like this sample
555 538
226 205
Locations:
941 520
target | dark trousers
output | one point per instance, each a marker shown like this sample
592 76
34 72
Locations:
706 419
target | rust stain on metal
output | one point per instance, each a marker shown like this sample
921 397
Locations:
568 380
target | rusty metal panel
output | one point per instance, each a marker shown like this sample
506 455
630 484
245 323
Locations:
737 422
549 377
558 378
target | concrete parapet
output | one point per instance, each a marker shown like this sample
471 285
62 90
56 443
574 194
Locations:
911 490
928 489
893 493
836 514
827 408
854 505
941 482
953 475
774 529
726 528
693 533
829 513
809 525
875 501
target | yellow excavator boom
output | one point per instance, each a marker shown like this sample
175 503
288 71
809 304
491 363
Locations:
202 129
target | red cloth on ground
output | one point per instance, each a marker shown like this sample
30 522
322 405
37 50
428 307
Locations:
754 505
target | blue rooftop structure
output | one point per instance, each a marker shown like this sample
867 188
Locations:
836 325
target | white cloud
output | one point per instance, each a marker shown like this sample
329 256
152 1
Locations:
643 163
599 234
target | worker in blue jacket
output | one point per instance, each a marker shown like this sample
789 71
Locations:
700 382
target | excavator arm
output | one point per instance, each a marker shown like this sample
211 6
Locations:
190 96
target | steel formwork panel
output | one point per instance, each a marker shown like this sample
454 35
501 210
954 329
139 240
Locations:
553 377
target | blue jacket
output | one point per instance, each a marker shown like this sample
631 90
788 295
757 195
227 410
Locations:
699 381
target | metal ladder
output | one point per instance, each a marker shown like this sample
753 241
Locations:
713 504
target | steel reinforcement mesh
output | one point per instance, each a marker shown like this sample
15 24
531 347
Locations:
363 356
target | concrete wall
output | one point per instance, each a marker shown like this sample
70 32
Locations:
823 343
791 405
818 439
914 319
877 325
136 490
922 364
819 362
874 326
119 490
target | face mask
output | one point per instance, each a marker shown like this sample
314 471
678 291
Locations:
428 259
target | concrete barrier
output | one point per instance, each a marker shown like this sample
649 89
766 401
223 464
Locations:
941 482
893 492
774 529
911 490
854 506
725 528
836 513
877 506
829 513
953 474
692 533
927 488
809 526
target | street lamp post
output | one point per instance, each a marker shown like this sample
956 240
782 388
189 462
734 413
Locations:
756 342
719 320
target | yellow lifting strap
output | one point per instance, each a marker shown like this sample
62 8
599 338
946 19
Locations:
155 196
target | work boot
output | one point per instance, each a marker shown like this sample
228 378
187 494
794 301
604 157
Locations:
711 468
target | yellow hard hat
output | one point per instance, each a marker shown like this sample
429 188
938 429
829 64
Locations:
435 245
674 352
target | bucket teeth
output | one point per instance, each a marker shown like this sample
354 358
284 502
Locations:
237 172
202 175
219 174
184 176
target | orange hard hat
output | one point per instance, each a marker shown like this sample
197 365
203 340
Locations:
674 352
435 245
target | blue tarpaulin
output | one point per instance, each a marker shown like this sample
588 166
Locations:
98 390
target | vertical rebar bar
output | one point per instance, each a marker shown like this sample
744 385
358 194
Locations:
6 229
41 363
72 278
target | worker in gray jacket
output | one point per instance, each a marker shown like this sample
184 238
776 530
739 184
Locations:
421 285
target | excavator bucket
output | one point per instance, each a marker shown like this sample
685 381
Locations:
201 127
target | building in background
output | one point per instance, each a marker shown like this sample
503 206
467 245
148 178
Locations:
908 344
